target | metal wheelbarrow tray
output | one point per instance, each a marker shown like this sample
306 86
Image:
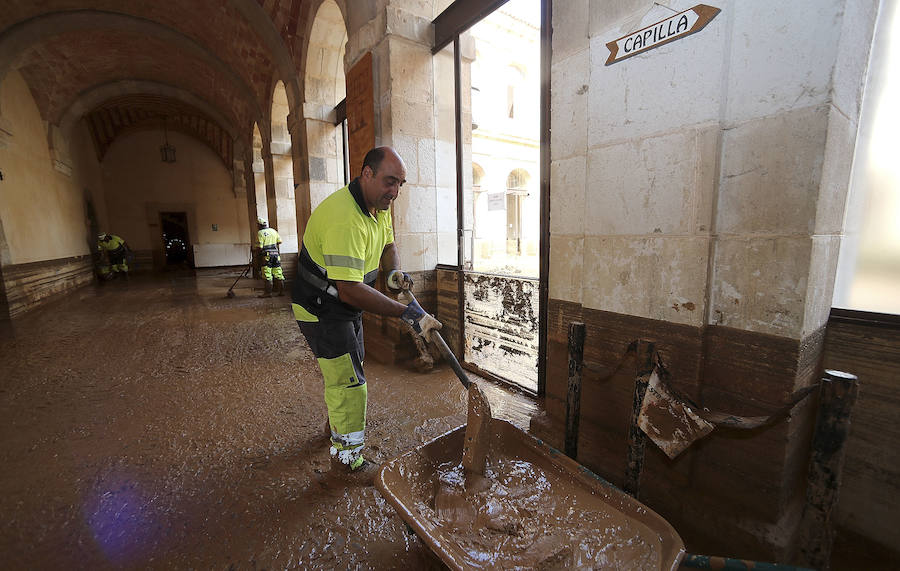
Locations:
535 509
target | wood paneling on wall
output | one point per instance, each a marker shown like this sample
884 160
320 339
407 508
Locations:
447 303
289 266
870 496
33 284
736 493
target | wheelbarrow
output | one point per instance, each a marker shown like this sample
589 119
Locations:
533 508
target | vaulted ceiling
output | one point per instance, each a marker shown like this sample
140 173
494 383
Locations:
207 67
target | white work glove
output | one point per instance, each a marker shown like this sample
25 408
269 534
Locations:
399 280
417 318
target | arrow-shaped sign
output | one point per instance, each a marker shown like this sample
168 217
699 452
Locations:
678 26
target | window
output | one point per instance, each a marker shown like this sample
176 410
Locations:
515 81
506 219
868 275
501 129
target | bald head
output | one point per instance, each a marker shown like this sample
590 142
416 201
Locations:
383 174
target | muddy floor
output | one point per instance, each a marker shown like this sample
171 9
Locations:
159 424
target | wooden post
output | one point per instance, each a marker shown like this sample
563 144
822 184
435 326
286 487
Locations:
646 361
573 395
837 394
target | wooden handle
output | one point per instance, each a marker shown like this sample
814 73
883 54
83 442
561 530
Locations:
451 358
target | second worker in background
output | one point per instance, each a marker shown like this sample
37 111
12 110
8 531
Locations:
267 241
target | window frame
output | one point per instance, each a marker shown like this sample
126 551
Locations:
448 25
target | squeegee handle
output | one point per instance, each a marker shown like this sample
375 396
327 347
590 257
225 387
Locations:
451 358
239 277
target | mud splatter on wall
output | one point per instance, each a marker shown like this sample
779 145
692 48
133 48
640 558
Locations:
501 326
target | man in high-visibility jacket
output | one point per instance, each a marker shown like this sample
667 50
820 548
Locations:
267 241
115 251
346 238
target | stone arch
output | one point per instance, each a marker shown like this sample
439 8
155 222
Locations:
20 37
261 23
518 179
324 79
324 88
477 175
93 97
281 138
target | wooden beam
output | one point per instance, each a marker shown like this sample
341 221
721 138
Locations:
573 394
459 17
646 361
837 395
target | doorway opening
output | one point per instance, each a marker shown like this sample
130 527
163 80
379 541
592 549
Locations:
176 240
501 209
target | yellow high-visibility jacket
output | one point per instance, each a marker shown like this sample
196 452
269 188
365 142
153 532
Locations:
268 239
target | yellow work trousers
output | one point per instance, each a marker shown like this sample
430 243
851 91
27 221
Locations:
338 347
271 267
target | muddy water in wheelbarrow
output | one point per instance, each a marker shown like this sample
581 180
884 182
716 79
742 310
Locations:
533 509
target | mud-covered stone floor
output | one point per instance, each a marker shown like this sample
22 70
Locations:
159 424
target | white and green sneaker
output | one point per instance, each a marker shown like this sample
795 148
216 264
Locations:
351 457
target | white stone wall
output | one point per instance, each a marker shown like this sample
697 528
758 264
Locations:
704 181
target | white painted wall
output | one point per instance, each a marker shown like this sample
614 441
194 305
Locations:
42 209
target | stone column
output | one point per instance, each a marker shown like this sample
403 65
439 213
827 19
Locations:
258 172
285 216
788 124
321 151
244 180
240 178
399 36
299 164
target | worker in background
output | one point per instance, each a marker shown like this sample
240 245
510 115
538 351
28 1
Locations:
267 241
113 256
348 235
